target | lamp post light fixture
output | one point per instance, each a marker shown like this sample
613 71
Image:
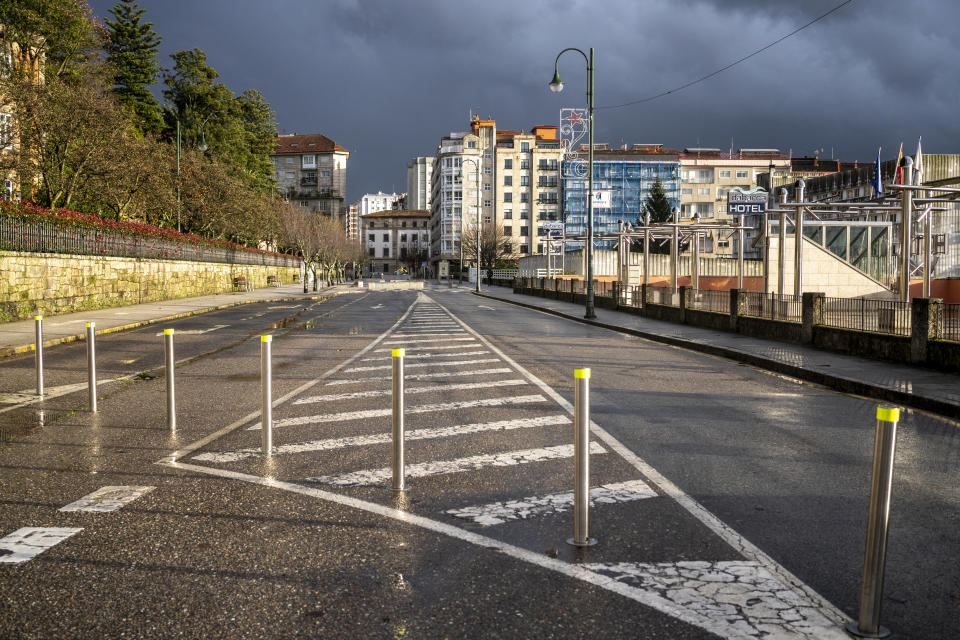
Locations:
556 85
476 166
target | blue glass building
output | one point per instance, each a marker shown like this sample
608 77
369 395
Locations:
622 178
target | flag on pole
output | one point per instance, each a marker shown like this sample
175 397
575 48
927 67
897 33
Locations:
877 180
899 177
918 163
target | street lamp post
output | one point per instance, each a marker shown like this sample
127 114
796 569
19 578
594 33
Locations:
556 85
202 147
476 166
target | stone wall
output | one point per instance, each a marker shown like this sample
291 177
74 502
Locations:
50 284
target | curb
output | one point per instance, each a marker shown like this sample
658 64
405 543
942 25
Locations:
845 385
12 351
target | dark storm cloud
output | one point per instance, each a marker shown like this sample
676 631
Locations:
388 78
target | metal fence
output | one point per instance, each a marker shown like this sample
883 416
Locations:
951 322
861 314
44 237
708 300
664 295
772 306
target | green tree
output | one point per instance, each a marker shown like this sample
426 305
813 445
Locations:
238 130
657 206
132 53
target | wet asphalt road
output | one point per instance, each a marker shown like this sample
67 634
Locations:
249 547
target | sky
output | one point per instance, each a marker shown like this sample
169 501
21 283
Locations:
387 79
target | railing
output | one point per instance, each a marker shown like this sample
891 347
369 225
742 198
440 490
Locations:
951 322
44 237
664 295
705 300
772 306
860 314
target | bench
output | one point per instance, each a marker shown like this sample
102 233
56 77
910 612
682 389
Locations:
273 281
240 284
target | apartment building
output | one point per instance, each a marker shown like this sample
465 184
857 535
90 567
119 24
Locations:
419 172
708 175
379 201
396 239
311 171
527 185
352 222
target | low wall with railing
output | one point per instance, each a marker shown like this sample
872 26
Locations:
923 332
53 283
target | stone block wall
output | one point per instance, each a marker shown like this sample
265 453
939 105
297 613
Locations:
51 284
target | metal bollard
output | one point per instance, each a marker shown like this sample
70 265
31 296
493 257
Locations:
266 392
399 483
168 360
875 557
581 460
91 367
38 354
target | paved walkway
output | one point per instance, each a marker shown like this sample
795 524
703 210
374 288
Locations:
905 385
18 337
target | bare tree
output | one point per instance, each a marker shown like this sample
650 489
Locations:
495 244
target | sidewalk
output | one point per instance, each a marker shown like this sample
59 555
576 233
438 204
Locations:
18 337
904 385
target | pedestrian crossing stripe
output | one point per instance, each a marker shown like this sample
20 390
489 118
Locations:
424 364
422 376
107 499
27 543
410 391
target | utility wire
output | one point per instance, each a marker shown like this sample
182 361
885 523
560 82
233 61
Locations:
732 64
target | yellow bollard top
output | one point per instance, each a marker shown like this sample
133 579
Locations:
398 353
38 317
581 374
888 414
168 332
266 338
91 324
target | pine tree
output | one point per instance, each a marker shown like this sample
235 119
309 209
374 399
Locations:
132 52
658 207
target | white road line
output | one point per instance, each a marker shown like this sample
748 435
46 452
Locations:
449 346
422 356
29 542
523 508
195 332
24 398
107 499
423 376
697 510
430 340
428 333
738 594
423 364
410 390
330 444
423 408
369 477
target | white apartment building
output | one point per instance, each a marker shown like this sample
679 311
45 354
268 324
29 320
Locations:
419 172
707 175
379 201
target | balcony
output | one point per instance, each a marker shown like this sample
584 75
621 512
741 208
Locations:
308 182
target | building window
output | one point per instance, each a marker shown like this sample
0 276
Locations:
372 237
524 146
508 196
472 144
386 237
404 224
524 197
703 191
524 164
488 203
524 181
524 248
486 187
508 231
508 163
373 252
309 161
686 191
524 231
524 214
725 173
386 252
403 237
742 174
487 170
413 237
487 220
487 155
507 214
508 181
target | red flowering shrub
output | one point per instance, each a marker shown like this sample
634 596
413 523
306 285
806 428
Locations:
67 218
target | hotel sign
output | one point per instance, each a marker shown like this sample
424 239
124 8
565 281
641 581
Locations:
742 202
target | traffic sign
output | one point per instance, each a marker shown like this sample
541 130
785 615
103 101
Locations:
553 229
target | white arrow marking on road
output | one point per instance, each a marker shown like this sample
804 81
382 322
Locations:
379 306
368 477
107 499
195 332
523 508
29 542
424 408
483 306
414 390
330 444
